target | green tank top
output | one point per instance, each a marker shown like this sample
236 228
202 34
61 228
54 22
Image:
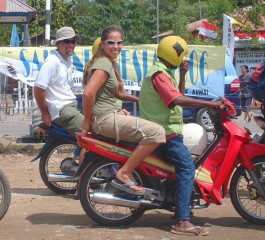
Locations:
105 99
152 106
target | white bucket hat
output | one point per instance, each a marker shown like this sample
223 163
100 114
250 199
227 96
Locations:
65 33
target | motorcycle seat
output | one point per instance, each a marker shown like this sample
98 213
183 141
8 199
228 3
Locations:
123 143
157 152
57 131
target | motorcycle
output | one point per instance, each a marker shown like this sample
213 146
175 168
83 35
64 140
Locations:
5 194
58 159
232 157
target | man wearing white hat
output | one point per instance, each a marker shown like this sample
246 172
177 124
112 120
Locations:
53 84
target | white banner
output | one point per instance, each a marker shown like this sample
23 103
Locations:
204 79
228 35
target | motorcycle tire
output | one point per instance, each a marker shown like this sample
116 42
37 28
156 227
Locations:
5 194
50 162
244 195
97 178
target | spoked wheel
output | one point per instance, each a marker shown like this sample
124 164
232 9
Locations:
245 196
102 202
58 159
5 194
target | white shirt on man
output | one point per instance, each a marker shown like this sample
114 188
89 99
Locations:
55 76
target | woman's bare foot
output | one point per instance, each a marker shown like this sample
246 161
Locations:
128 179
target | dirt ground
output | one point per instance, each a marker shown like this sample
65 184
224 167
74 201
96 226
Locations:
36 213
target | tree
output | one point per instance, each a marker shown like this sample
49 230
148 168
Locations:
5 34
62 14
137 19
237 10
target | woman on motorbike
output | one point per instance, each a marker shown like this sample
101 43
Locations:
103 85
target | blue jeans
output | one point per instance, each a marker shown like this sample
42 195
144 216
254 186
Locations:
177 154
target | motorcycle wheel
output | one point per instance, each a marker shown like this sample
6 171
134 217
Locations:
244 195
5 194
97 178
51 162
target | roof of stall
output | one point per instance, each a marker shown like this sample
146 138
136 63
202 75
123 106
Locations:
15 11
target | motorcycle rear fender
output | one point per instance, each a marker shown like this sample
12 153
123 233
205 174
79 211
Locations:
54 133
89 158
46 146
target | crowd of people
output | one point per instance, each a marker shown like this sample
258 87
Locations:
161 101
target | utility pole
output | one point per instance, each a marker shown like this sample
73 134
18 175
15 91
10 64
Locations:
157 21
200 6
48 22
26 35
23 102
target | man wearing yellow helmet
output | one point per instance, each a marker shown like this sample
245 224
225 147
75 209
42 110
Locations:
161 101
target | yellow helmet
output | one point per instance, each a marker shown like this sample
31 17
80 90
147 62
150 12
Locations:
95 45
172 49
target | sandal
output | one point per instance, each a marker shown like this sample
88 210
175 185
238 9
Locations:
126 187
194 231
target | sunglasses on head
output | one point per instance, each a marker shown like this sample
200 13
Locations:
112 42
68 41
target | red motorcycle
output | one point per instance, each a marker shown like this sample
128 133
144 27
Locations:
232 157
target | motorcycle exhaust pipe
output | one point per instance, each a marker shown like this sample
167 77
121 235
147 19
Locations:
53 177
106 198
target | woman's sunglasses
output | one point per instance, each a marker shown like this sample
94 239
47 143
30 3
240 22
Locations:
67 41
111 42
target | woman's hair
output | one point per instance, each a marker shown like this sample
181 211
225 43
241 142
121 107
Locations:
100 53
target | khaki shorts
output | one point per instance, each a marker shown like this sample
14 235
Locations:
128 128
70 118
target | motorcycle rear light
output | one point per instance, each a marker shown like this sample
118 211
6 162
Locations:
235 85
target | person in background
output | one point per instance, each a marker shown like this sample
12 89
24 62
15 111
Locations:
103 85
53 85
161 101
245 93
258 84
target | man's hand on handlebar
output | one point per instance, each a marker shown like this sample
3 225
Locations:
218 105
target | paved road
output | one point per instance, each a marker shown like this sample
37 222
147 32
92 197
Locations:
14 125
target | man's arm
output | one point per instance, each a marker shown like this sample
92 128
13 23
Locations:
40 96
185 101
171 97
184 68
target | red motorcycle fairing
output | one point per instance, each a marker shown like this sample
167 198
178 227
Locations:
151 166
215 172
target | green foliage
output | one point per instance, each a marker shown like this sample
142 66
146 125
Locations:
5 34
62 14
217 8
138 18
